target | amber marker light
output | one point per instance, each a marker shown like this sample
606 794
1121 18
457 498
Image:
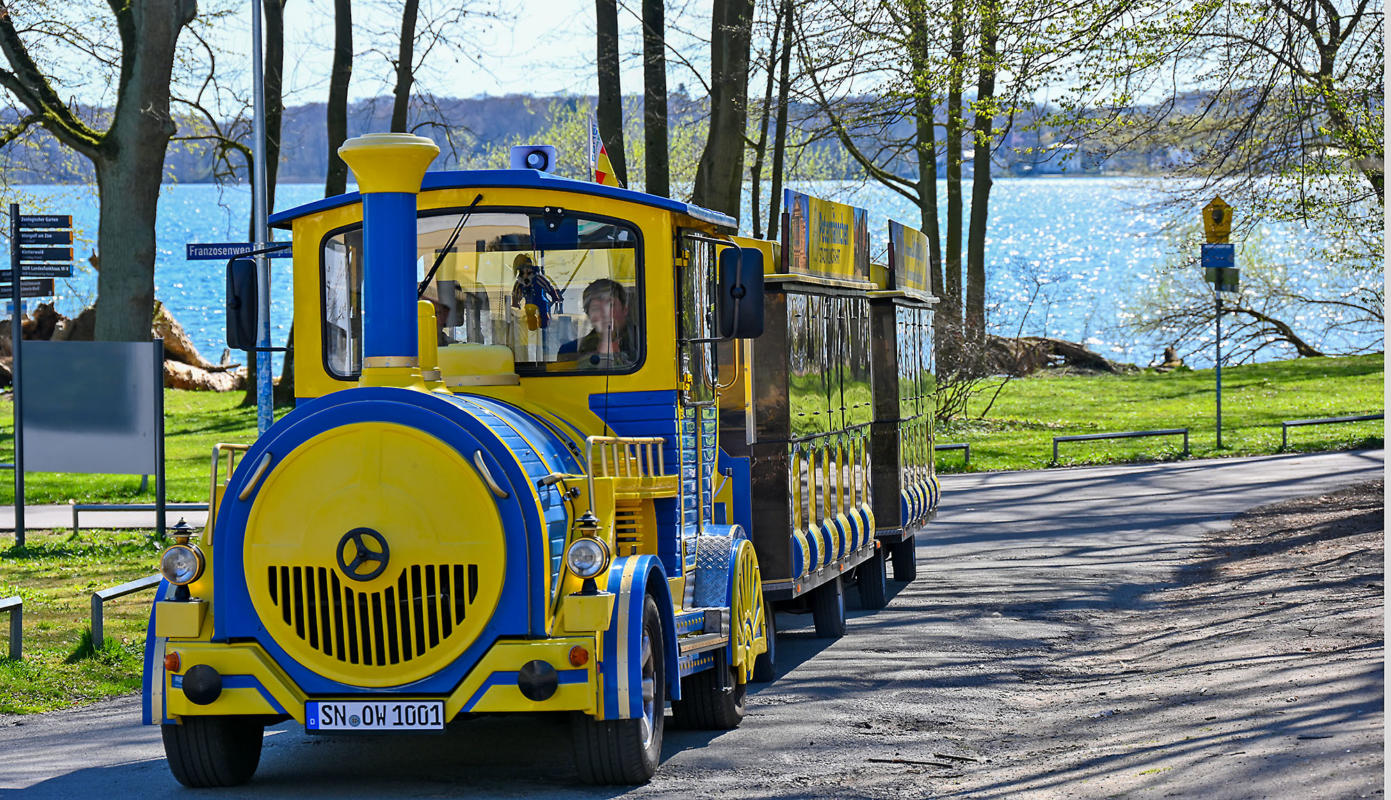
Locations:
172 662
578 656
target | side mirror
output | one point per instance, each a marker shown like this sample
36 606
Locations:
739 304
241 304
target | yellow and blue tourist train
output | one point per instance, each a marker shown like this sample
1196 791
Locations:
557 446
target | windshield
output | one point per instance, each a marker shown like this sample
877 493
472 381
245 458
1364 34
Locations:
561 291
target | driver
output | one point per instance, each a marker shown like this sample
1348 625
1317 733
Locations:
610 341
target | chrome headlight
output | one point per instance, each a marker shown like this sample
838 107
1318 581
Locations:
587 557
181 564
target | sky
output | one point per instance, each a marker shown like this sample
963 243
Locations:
537 47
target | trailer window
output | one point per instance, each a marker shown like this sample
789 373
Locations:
564 293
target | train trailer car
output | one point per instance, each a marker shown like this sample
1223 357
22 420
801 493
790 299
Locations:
505 486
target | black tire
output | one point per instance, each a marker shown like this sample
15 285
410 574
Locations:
765 666
622 751
828 609
205 752
869 577
704 706
905 558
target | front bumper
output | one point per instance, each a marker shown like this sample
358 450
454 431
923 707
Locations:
252 684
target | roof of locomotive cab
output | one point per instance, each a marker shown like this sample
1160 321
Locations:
515 179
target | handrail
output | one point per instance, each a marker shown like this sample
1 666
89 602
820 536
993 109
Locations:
633 454
232 450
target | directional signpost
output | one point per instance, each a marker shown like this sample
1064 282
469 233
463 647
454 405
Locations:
40 250
1219 269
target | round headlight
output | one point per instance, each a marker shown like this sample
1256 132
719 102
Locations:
181 564
587 557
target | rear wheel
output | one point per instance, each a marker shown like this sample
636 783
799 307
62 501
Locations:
214 751
828 609
627 751
869 578
764 667
704 705
905 558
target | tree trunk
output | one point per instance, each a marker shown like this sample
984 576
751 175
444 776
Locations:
926 147
610 111
275 101
950 314
336 181
760 149
130 165
720 175
981 182
405 67
780 129
656 145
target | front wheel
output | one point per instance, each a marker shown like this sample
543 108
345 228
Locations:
627 751
205 752
765 666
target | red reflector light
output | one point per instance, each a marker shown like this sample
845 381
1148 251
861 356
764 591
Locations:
578 656
172 662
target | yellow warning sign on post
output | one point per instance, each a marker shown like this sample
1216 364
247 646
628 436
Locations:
1217 221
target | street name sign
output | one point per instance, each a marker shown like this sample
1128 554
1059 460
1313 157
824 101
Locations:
38 287
28 236
45 221
221 251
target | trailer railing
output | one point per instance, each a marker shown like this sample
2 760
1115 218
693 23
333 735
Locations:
1296 423
100 597
1086 437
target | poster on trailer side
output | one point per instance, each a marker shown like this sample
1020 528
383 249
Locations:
826 238
908 258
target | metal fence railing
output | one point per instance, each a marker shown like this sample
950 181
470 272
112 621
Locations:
1295 423
100 597
15 605
1085 437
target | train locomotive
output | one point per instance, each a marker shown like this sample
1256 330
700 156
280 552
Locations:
557 446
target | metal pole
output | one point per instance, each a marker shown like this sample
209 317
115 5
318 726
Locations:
159 441
1219 370
16 336
264 398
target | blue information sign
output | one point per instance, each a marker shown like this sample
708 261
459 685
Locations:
221 251
1219 256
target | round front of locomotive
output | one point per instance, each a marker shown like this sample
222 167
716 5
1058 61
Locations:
374 553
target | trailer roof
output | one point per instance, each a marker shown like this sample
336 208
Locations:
516 179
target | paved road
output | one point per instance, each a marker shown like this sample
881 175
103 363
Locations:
59 517
941 673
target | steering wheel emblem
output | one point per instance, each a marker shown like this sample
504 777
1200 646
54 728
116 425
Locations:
362 554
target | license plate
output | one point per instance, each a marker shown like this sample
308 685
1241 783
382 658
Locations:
374 715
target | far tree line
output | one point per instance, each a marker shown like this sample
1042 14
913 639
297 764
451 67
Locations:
1281 109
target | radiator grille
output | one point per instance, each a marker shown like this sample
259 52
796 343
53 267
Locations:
627 528
392 626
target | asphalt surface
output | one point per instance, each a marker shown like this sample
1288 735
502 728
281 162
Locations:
918 700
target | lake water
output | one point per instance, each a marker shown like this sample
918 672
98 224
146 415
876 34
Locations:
1082 247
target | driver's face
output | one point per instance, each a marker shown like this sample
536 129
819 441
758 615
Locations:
607 314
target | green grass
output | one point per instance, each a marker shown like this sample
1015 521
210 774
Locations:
194 422
1019 429
56 574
